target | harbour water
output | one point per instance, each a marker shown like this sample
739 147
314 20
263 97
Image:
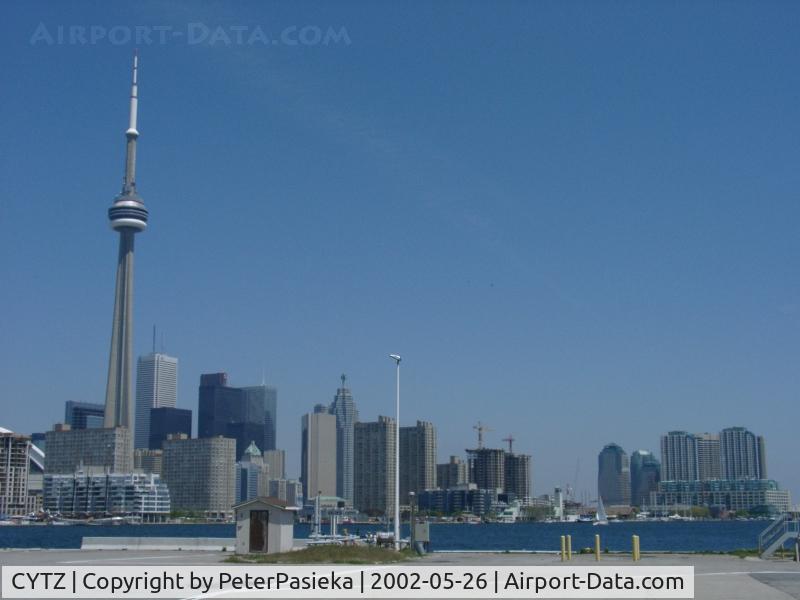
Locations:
686 536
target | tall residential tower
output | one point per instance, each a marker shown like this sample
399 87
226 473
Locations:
128 216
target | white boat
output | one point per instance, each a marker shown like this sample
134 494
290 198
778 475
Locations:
510 514
601 518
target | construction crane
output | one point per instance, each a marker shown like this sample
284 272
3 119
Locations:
510 440
481 429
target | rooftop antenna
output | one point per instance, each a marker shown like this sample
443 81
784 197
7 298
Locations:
343 378
154 338
480 428
510 440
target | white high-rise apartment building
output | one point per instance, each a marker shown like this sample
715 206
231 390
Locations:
156 387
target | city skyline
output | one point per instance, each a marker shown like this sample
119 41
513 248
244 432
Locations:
584 244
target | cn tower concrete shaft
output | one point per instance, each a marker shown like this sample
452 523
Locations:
119 389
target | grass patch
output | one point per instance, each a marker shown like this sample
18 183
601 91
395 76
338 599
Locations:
349 555
743 552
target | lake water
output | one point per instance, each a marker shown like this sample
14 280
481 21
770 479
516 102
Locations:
656 536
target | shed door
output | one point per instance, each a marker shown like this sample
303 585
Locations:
259 525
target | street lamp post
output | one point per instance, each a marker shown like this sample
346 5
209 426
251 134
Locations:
396 358
411 498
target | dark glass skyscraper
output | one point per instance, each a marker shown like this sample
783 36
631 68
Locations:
645 475
614 475
266 396
83 415
166 420
230 412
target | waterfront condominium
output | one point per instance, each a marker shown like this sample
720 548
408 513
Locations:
344 409
709 465
614 476
742 454
318 453
374 447
518 477
105 449
679 457
156 387
15 451
200 474
417 459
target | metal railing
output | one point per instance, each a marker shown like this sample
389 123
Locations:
781 529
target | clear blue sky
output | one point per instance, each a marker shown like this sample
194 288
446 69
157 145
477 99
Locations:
577 222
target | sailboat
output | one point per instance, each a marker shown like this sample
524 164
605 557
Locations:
601 518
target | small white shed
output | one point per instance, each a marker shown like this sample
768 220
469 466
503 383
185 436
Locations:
264 525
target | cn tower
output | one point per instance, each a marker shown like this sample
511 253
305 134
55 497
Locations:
128 216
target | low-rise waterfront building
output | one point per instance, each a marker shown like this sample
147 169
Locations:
463 499
84 493
761 495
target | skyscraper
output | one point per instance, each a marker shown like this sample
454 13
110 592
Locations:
84 415
518 476
373 466
709 464
741 452
252 475
417 459
645 475
679 457
487 468
156 387
128 216
166 420
15 451
344 409
318 453
452 474
266 396
201 474
614 475
229 411
276 462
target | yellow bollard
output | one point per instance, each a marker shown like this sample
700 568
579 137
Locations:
597 547
633 548
569 547
563 548
638 549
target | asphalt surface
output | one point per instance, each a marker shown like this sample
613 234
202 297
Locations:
716 577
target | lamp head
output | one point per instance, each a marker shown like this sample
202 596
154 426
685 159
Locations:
395 357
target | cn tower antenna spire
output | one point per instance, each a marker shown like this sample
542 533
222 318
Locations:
132 134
